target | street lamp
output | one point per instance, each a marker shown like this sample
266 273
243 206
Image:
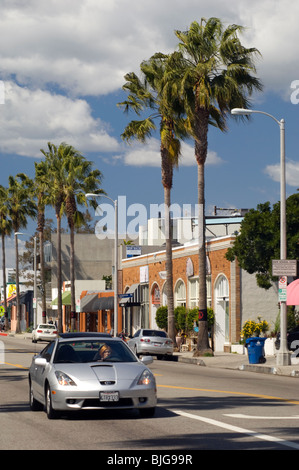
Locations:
283 356
115 258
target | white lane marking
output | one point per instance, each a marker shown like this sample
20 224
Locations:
229 427
260 417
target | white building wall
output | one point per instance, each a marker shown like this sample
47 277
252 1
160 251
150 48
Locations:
257 302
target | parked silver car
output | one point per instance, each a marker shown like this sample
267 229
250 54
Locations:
44 332
90 372
154 342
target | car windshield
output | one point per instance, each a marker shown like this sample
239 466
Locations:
154 333
93 351
47 327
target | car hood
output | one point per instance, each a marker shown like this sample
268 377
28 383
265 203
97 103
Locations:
102 371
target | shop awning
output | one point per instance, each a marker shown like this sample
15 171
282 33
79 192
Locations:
86 303
293 293
133 299
66 298
104 303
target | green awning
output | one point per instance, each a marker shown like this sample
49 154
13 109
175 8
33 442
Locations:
66 298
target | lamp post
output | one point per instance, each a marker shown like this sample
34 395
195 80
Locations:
115 257
283 356
34 286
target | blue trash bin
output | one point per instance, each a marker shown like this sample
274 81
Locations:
255 348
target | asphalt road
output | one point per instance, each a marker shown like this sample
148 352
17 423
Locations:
199 408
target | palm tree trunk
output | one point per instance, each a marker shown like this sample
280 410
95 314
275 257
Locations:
201 149
59 277
167 177
42 273
72 275
168 265
4 283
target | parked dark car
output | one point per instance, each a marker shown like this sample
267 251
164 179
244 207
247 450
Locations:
292 339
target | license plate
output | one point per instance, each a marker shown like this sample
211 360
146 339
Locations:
109 396
157 344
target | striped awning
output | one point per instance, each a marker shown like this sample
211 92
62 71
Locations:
134 299
104 303
86 303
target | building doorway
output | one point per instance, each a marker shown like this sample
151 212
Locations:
221 330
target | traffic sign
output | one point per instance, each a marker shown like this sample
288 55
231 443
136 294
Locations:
283 281
282 295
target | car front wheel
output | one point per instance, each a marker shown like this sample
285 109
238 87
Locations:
51 413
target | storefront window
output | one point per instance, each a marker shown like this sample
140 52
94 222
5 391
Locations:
194 291
144 306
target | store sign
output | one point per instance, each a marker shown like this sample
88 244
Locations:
156 295
132 250
284 267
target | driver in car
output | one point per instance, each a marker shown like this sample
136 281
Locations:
103 353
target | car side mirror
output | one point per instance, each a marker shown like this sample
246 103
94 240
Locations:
40 361
147 360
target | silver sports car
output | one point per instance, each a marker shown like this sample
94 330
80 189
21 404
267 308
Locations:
90 371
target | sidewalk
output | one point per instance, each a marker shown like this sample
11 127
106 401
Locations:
220 360
234 361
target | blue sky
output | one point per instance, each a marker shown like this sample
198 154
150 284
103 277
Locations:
62 64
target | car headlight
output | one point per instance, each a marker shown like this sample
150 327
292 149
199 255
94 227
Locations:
146 378
64 379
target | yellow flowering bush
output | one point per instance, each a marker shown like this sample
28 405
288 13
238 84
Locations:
253 328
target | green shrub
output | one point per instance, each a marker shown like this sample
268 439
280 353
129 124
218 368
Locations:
162 317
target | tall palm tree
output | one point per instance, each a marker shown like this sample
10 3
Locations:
216 75
150 94
54 162
5 229
21 205
42 192
79 179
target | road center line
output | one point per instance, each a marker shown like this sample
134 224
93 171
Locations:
239 430
14 365
230 392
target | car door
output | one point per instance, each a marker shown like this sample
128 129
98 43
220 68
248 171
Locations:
40 371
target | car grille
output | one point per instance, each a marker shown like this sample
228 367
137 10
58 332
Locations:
96 403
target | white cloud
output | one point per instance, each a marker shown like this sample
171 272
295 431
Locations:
31 118
86 46
148 154
292 173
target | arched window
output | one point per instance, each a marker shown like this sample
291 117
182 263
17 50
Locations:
180 294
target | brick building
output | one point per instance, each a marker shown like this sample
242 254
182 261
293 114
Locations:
144 277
